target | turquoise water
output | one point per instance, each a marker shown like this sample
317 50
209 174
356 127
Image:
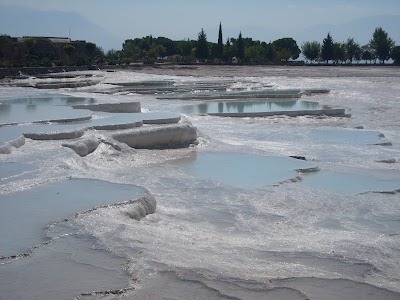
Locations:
251 106
242 170
25 214
349 184
342 136
44 108
252 171
9 171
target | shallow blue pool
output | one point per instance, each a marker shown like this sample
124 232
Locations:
349 184
25 214
251 106
241 169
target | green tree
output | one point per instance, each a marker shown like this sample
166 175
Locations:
91 49
185 47
353 50
5 47
185 50
286 48
99 51
327 49
311 50
395 55
357 56
29 44
94 52
367 53
202 46
169 45
339 52
131 50
270 53
156 51
213 51
254 54
113 56
283 54
382 44
240 47
69 51
220 43
249 42
229 51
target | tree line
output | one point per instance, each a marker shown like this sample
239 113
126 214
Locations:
239 50
242 50
380 48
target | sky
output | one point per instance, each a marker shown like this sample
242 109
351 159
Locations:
180 19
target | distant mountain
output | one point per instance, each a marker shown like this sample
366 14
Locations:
359 29
22 21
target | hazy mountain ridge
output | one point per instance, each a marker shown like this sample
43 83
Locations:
21 21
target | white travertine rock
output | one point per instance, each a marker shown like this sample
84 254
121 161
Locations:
175 135
142 207
64 84
118 126
7 147
128 107
162 120
56 135
83 147
19 142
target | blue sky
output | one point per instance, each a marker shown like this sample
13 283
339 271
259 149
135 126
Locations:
179 19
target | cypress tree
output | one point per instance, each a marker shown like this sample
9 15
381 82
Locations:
270 53
220 43
202 46
327 49
240 47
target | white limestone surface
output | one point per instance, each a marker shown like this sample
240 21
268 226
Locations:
118 126
142 207
83 147
6 148
128 107
166 136
60 135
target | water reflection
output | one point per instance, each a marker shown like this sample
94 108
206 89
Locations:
30 105
5 109
32 109
242 94
251 106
